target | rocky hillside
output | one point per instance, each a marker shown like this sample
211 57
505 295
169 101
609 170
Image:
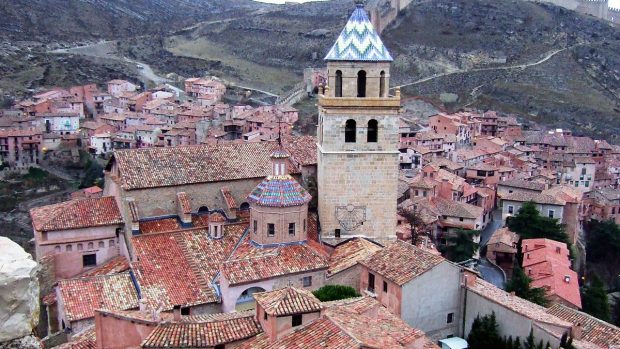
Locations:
70 20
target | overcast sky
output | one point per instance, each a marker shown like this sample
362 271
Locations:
612 3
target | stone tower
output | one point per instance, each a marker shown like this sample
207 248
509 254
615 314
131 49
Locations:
358 136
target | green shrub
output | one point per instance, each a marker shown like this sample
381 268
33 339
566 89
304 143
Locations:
335 292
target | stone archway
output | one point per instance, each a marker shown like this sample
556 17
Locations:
245 301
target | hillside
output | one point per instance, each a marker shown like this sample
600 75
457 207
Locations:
78 20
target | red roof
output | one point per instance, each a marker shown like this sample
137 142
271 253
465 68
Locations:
349 253
75 214
288 301
82 296
188 255
159 225
250 263
546 262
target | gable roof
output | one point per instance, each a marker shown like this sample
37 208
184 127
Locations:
75 214
349 253
595 331
163 167
83 295
401 262
288 301
202 334
359 41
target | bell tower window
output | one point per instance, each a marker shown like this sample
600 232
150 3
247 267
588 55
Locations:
372 131
361 83
382 84
338 90
350 129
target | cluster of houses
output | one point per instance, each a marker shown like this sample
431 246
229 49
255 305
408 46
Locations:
124 117
216 245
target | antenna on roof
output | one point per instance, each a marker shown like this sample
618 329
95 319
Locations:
280 130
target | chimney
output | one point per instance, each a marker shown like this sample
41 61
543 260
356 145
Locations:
577 332
142 304
176 313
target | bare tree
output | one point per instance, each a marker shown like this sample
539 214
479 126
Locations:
416 225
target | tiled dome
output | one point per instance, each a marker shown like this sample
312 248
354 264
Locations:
279 191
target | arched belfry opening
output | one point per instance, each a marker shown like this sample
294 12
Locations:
350 129
372 131
361 83
338 90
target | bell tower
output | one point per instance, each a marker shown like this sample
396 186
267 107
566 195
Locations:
358 136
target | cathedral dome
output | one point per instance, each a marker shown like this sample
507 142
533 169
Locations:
279 191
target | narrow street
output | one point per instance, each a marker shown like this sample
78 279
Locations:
490 272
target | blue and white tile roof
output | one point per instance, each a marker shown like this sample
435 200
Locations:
359 41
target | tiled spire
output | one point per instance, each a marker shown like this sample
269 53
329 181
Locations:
359 41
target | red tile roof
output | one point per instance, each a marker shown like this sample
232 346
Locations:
401 262
115 265
349 253
598 332
228 198
350 325
162 167
159 225
188 255
75 214
82 296
186 206
288 301
547 263
302 149
250 263
202 334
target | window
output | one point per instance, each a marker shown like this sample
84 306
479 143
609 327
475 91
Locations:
91 245
307 281
350 129
68 248
587 184
264 315
111 243
371 282
296 320
271 229
385 287
338 90
450 318
371 136
304 225
361 83
583 171
89 260
551 213
101 244
56 249
460 219
511 209
382 84
185 311
255 226
424 193
416 192
220 346
291 229
80 247
337 233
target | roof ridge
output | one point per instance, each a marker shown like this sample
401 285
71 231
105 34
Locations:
192 263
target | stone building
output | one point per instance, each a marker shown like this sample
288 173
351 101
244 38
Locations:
358 136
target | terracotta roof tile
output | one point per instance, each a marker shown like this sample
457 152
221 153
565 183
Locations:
457 209
401 262
75 214
115 265
188 255
186 206
519 183
302 149
349 253
202 334
288 301
521 196
250 263
83 295
228 198
162 167
159 225
514 303
596 331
